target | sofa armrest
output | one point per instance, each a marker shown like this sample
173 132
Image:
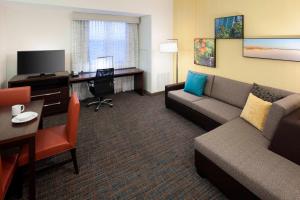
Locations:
286 140
280 109
175 86
171 87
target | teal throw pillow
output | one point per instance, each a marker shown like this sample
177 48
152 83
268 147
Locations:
195 83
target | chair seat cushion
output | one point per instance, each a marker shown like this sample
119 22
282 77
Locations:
217 110
242 152
184 97
9 164
49 142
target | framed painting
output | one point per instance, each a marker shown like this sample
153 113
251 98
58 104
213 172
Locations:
205 52
229 27
272 48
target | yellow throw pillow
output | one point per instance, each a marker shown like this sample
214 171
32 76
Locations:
256 111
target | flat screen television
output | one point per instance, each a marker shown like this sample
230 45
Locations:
41 62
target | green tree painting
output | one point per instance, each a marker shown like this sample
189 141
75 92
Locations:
205 52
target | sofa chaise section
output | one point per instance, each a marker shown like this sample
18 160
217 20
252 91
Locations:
241 151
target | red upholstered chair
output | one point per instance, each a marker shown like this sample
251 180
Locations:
59 139
12 96
7 169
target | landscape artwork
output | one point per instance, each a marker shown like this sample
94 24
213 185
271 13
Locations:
276 49
229 27
205 52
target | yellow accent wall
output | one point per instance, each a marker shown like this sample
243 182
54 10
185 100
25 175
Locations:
263 18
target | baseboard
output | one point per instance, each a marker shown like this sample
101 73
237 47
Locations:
154 94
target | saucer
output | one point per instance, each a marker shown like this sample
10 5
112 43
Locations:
24 117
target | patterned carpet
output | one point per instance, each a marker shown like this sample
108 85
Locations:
136 150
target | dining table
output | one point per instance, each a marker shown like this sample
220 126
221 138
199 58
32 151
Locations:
14 135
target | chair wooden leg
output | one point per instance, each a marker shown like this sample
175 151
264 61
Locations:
74 159
16 189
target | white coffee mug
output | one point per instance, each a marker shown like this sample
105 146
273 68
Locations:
17 109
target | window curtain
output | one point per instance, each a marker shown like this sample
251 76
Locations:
92 40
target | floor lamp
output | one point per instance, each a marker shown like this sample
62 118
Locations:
171 46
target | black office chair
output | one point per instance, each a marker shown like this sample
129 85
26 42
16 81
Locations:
102 85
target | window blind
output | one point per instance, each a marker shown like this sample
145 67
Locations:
102 17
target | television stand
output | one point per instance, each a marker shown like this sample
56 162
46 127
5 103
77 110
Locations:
54 89
41 75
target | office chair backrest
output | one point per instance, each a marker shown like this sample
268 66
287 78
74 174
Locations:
104 82
73 119
12 96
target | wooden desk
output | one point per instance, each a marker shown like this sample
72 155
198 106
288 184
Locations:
17 135
137 73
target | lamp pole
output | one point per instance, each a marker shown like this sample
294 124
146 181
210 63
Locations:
177 67
176 40
171 47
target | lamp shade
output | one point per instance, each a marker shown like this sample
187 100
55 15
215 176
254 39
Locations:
169 47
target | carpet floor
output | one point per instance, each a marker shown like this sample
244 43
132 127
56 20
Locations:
136 150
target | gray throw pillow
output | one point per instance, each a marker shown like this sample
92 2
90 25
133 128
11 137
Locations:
265 94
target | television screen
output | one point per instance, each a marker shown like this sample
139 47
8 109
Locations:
31 62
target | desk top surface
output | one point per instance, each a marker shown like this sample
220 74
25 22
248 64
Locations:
24 77
10 132
117 73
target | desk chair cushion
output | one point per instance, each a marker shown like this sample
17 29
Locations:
12 96
49 142
7 168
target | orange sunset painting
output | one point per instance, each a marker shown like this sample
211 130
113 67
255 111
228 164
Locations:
277 49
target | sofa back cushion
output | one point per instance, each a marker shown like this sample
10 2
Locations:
209 83
268 93
230 91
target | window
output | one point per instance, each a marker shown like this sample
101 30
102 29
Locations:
94 39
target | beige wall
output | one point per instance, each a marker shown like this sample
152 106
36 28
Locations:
2 48
46 24
263 18
30 27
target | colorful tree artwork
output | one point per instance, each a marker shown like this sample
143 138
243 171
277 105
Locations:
205 52
229 27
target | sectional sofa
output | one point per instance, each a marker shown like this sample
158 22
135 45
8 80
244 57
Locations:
233 154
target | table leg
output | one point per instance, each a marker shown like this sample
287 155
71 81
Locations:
32 169
139 83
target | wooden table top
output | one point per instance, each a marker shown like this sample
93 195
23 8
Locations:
10 132
86 76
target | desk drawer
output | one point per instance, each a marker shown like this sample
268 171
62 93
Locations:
54 108
55 100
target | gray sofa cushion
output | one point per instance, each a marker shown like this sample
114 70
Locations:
265 94
209 83
216 110
231 91
184 97
276 91
278 110
241 151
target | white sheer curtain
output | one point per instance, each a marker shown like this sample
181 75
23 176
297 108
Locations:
94 39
